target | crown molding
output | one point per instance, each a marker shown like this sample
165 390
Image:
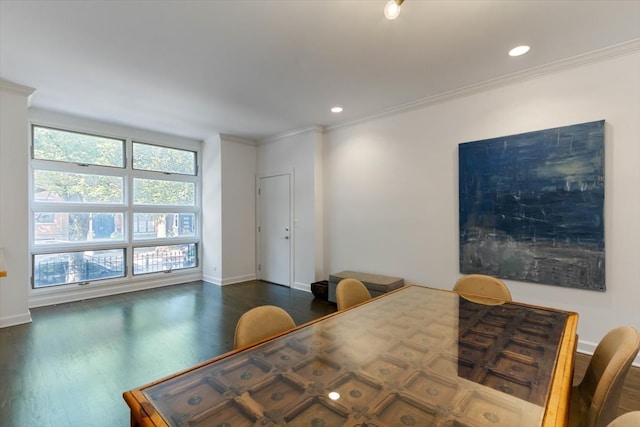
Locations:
315 128
16 88
237 139
622 49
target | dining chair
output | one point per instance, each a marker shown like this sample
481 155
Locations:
482 285
350 292
261 322
594 401
630 419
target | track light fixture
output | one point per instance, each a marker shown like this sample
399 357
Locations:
392 9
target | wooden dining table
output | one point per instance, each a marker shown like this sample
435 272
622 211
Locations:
417 356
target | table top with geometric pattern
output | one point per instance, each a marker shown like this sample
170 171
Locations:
414 357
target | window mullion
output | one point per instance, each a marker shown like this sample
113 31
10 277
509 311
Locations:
89 212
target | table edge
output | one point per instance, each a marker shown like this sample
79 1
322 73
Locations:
557 407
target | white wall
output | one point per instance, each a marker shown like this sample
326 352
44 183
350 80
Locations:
238 211
228 210
391 185
301 152
14 226
212 210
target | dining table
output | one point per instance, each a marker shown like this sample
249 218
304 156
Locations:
416 356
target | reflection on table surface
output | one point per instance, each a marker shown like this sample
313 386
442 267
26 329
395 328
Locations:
418 356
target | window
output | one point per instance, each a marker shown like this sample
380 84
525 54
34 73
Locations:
77 267
93 214
77 227
163 258
162 159
75 147
163 178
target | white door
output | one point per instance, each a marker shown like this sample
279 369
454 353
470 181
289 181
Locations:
274 229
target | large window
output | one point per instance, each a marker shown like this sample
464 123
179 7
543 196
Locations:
96 216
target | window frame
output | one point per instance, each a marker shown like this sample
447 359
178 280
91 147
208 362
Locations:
91 134
127 207
135 141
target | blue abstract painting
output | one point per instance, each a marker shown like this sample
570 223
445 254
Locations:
532 206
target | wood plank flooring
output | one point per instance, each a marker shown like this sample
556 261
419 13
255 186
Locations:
70 366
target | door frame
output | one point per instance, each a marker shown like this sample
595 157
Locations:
268 174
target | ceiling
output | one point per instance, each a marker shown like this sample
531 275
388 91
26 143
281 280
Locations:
257 69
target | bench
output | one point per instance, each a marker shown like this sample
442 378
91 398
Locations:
376 284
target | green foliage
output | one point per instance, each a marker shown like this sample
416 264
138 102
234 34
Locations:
160 192
53 186
163 159
63 146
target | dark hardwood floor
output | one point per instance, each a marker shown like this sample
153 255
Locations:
70 366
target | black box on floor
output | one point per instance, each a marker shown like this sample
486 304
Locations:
320 289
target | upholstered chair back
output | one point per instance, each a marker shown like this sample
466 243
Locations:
350 292
482 285
260 323
594 401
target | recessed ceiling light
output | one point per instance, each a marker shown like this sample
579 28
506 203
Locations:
519 50
336 110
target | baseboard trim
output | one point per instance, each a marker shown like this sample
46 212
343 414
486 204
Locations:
301 286
229 280
15 320
238 279
588 348
213 280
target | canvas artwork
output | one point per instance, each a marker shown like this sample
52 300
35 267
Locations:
532 206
